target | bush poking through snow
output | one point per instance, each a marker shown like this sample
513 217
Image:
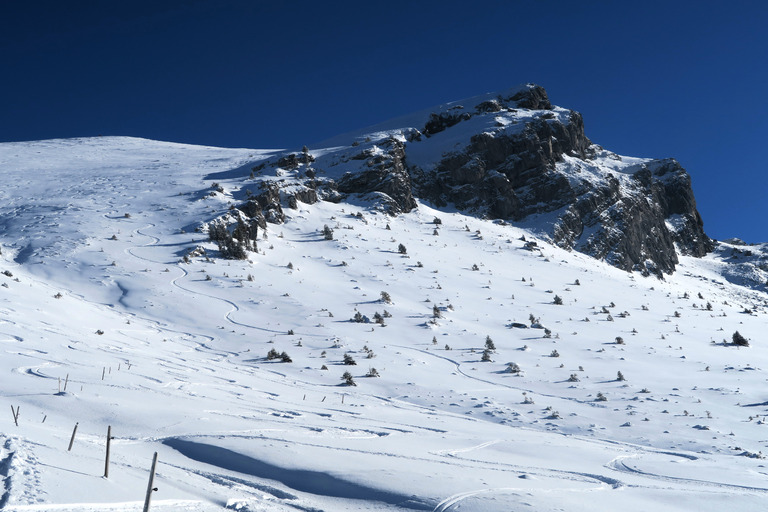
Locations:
558 300
620 377
739 340
349 360
348 380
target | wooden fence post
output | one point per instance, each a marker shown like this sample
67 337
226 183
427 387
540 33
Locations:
72 439
150 487
106 461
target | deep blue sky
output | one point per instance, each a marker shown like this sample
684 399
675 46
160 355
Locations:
686 79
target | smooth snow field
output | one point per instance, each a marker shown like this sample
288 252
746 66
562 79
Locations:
104 324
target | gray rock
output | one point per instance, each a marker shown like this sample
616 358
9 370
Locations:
386 175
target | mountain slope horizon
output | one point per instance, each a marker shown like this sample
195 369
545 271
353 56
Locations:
364 346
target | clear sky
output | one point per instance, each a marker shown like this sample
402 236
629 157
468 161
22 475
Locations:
683 79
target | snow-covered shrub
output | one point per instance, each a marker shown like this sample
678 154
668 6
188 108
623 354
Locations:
739 340
348 379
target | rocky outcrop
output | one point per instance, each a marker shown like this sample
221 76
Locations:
511 156
636 218
509 175
384 174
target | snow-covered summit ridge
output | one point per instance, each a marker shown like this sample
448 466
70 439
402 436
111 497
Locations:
511 156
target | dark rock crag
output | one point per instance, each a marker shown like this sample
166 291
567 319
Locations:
511 156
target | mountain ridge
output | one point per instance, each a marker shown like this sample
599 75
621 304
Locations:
511 156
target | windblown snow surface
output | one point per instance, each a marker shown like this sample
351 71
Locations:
102 324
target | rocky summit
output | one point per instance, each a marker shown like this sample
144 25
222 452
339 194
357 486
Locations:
511 156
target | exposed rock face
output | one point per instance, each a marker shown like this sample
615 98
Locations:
511 156
637 223
385 174
508 174
634 215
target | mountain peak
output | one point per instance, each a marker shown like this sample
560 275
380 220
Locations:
511 156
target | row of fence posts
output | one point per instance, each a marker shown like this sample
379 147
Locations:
110 437
150 485
150 488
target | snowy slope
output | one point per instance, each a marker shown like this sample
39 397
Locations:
172 355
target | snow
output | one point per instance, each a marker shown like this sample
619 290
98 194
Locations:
99 301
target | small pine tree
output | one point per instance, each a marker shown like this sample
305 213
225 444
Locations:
386 298
486 356
349 360
401 249
739 340
489 345
284 357
558 300
620 377
327 232
436 312
348 379
272 354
